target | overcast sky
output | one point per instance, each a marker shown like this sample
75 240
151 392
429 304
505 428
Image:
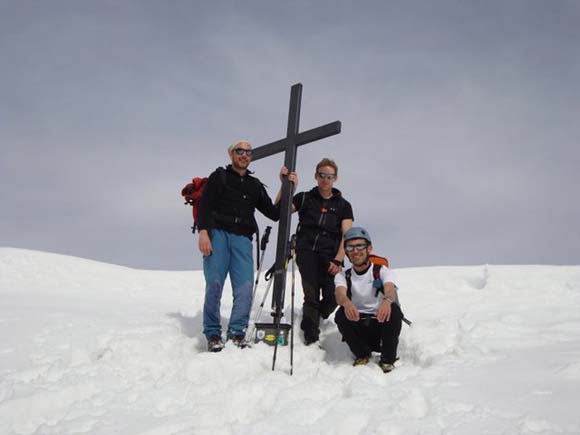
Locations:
460 137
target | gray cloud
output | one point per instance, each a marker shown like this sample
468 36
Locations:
459 142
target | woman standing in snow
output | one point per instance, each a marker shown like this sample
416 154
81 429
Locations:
324 216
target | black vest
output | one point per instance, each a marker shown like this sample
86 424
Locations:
320 221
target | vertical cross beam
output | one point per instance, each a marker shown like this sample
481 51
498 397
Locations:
289 146
286 202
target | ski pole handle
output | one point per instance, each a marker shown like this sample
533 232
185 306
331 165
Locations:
292 245
265 238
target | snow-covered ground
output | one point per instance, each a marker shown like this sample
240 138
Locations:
93 348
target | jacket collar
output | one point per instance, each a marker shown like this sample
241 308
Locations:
230 168
335 192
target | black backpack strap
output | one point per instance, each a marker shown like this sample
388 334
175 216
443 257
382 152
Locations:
299 226
303 199
378 282
222 177
347 274
261 190
340 208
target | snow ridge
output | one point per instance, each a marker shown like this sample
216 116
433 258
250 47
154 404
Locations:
87 347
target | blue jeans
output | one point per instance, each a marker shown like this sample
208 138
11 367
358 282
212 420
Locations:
230 253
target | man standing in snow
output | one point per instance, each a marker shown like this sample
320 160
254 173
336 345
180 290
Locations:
226 224
324 216
369 318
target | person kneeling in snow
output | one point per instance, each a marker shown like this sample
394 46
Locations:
369 319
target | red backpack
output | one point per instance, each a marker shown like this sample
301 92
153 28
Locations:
193 191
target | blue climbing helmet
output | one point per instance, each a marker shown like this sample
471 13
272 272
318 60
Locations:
357 233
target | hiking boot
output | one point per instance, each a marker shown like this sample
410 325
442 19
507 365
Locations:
310 337
361 361
310 340
386 367
311 333
240 341
215 344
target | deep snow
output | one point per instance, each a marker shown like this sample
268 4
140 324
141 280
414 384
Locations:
93 348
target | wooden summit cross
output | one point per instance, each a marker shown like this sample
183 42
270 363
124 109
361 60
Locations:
289 146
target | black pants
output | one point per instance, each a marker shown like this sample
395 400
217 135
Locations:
368 334
318 287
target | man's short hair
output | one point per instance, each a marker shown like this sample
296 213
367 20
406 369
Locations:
236 143
327 162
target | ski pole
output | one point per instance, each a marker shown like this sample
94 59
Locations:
293 254
278 318
260 309
278 314
263 244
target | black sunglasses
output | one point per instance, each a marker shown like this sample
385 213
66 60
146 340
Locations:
241 151
360 247
326 176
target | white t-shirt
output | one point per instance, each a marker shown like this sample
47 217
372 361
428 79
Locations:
363 292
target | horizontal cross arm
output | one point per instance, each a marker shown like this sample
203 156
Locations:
300 139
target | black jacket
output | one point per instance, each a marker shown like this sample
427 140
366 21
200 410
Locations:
229 202
320 221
